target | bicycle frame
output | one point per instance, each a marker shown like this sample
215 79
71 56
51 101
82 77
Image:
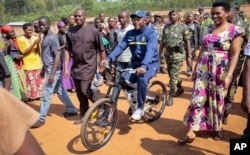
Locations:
119 84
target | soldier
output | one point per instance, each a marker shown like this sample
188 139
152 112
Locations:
174 36
196 39
238 18
240 14
158 26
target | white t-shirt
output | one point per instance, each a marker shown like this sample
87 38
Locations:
126 55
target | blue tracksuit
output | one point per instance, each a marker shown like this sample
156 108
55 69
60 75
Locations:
143 46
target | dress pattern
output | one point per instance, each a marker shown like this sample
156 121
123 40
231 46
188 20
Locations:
206 110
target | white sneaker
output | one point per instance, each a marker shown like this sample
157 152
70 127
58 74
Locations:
137 114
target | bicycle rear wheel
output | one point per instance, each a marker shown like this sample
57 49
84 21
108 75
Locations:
99 124
155 101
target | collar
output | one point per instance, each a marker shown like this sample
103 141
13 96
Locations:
129 27
143 28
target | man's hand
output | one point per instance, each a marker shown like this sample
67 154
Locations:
103 65
140 70
51 78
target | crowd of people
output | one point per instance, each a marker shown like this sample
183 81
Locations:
40 62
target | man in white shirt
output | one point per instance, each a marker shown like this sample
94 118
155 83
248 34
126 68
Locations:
123 61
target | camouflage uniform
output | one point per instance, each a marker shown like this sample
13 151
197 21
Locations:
240 20
173 36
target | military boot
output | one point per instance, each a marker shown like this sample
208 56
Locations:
180 90
170 98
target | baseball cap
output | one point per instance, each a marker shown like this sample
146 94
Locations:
139 13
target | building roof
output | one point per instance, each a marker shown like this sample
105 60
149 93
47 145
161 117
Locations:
16 23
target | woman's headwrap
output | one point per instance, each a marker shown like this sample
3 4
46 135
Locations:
60 24
5 29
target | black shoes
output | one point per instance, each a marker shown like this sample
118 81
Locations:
69 114
38 124
179 91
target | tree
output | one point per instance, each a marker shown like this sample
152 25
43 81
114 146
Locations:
14 7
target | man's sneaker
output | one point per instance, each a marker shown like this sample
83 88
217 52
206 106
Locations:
137 114
69 114
77 122
38 124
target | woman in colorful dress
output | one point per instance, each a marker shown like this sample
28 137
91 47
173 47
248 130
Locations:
213 74
29 46
13 58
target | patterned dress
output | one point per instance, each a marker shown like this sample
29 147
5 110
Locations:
207 106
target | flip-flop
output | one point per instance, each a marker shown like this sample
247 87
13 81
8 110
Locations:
218 136
185 140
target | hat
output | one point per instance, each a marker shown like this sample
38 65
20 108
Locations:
60 24
5 29
139 13
236 5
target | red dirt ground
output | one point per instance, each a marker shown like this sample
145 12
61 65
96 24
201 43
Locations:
60 137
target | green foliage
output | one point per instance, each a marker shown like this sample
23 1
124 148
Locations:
88 4
30 10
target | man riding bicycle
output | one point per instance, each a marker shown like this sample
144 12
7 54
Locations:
142 41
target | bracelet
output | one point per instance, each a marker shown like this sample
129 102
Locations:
229 74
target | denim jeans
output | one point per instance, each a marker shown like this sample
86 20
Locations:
48 92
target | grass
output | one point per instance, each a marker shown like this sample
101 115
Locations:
109 8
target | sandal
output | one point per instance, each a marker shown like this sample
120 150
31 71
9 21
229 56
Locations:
185 140
218 136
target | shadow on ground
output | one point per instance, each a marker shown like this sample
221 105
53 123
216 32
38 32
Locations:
168 147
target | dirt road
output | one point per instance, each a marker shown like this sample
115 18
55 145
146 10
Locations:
60 137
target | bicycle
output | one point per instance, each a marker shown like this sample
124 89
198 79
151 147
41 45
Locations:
100 121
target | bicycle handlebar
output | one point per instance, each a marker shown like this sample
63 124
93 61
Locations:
131 70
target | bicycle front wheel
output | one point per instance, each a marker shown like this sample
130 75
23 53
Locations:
155 101
99 124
